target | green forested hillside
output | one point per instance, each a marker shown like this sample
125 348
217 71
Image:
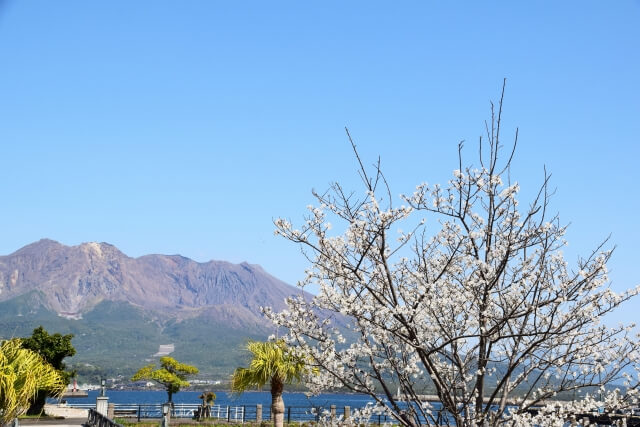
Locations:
117 338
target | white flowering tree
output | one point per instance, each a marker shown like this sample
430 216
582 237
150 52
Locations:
476 300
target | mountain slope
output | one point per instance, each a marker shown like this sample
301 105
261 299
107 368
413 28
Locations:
117 338
121 309
74 279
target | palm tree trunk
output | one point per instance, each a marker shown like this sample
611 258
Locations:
37 405
277 404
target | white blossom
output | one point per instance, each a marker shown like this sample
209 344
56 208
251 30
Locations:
480 304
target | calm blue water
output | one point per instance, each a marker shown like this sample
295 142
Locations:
298 405
224 398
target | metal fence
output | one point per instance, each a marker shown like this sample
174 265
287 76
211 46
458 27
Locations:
179 410
96 419
293 414
236 414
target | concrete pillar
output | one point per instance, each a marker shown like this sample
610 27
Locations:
111 411
333 412
347 412
166 414
102 405
259 413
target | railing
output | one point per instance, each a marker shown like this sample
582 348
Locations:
96 419
292 414
179 410
233 414
229 413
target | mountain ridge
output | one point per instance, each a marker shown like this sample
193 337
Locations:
121 309
76 278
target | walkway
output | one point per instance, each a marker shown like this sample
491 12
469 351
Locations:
49 422
66 416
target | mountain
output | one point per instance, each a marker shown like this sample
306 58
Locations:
121 309
74 279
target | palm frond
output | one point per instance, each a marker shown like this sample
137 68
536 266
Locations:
271 359
22 373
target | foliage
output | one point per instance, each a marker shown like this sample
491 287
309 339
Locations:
204 411
22 373
53 349
208 397
108 326
273 362
171 374
482 303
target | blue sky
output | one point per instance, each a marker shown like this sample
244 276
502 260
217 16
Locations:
187 127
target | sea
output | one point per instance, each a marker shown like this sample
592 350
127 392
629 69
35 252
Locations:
298 406
295 399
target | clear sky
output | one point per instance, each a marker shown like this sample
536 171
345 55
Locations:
188 126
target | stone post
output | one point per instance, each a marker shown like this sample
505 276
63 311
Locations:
166 414
347 414
259 413
333 412
111 411
102 405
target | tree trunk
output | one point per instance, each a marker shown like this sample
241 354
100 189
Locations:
37 405
277 404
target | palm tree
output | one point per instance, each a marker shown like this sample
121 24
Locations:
272 362
22 373
171 374
208 398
